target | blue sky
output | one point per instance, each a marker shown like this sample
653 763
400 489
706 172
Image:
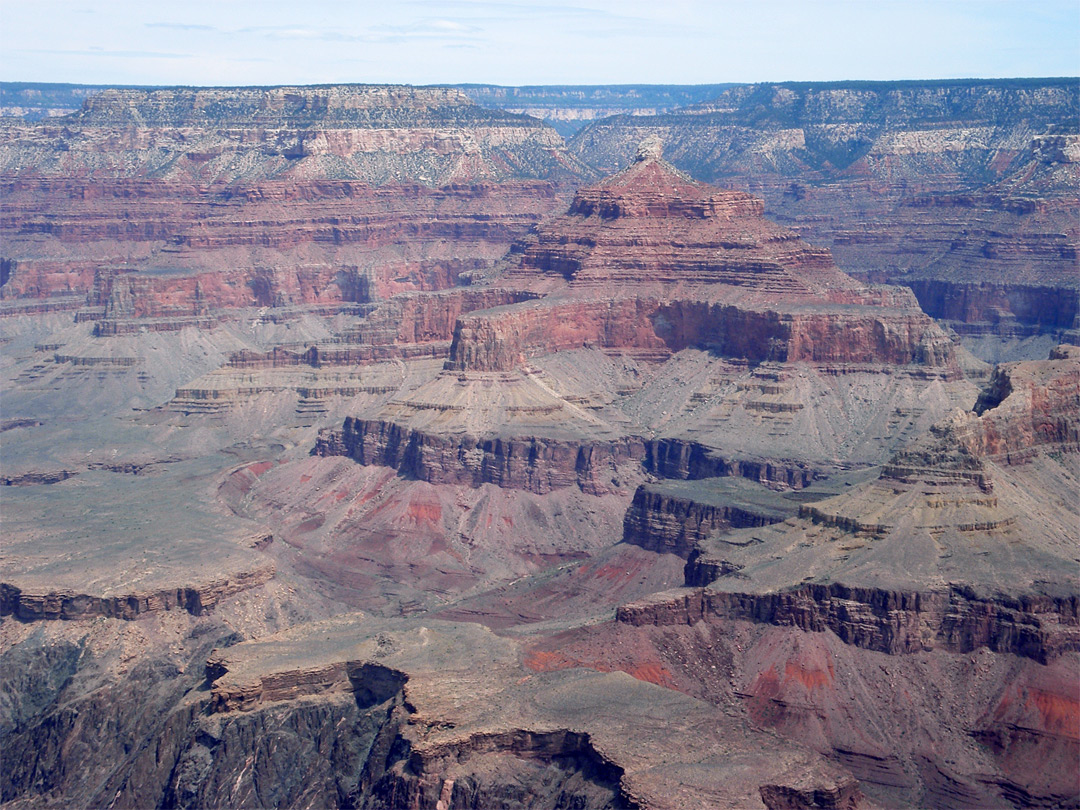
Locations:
230 42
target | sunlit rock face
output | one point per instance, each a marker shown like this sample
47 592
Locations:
653 261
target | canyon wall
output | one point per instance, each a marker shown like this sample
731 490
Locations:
894 622
174 203
535 464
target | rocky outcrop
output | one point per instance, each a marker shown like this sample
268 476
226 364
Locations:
502 339
1042 628
1009 310
574 773
650 327
652 262
369 682
540 464
938 495
531 463
196 599
1000 261
845 796
405 327
681 459
450 736
673 520
680 231
686 267
1026 407
37 477
411 318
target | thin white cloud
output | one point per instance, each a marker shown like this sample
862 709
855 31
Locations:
180 26
440 27
104 52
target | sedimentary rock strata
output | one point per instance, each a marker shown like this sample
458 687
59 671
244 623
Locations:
446 750
173 204
361 132
954 508
270 245
649 505
959 557
673 516
645 266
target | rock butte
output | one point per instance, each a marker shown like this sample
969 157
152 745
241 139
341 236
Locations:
679 264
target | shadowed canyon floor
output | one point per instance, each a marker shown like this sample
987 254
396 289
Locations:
362 449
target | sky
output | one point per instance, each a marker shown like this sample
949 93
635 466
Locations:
261 42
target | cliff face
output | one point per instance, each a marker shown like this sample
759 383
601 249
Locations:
915 130
647 266
890 622
34 604
799 609
138 249
672 520
496 415
962 487
1027 407
535 464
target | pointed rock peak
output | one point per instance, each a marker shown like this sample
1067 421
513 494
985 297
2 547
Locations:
649 186
652 148
649 172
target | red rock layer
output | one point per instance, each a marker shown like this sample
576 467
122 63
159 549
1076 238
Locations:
1028 405
650 224
145 248
499 341
893 179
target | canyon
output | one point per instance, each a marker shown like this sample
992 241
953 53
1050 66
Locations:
378 447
